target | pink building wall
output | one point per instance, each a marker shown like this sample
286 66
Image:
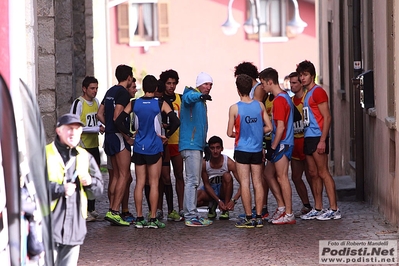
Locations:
197 44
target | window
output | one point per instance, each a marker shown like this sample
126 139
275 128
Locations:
143 23
273 20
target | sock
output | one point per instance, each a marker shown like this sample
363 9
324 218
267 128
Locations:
168 190
91 205
281 209
249 217
258 216
140 219
291 214
318 209
307 205
147 195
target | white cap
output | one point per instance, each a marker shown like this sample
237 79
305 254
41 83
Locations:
203 78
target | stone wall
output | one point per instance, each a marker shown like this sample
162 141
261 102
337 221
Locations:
65 56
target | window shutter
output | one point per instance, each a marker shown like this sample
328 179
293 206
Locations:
163 20
123 23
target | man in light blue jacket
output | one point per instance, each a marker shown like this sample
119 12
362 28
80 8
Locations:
192 140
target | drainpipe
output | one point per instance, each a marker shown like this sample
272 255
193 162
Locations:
357 70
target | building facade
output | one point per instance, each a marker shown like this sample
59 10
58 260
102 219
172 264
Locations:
50 50
187 36
358 67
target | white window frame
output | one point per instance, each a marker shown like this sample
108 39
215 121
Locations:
270 22
132 25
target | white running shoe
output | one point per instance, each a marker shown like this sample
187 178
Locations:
313 214
285 219
276 215
330 215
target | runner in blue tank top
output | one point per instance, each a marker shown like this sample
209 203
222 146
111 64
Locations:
280 152
248 121
148 146
317 121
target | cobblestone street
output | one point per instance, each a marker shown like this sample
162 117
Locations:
222 243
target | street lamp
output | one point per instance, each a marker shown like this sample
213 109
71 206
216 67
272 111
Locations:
231 26
296 25
251 26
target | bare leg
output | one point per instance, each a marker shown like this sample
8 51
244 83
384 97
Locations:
321 161
282 177
202 198
110 178
297 169
138 189
126 194
269 174
316 184
154 172
121 176
226 190
243 171
256 174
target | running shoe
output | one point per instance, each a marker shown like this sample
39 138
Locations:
276 215
181 213
155 224
141 224
313 214
224 215
128 217
212 210
115 218
174 216
245 223
303 211
159 214
330 215
198 221
259 223
243 215
90 217
265 214
285 219
95 214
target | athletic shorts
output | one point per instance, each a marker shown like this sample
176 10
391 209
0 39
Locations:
115 143
310 145
216 187
248 157
141 159
297 153
283 149
173 150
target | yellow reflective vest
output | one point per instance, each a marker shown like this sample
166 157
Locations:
56 172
